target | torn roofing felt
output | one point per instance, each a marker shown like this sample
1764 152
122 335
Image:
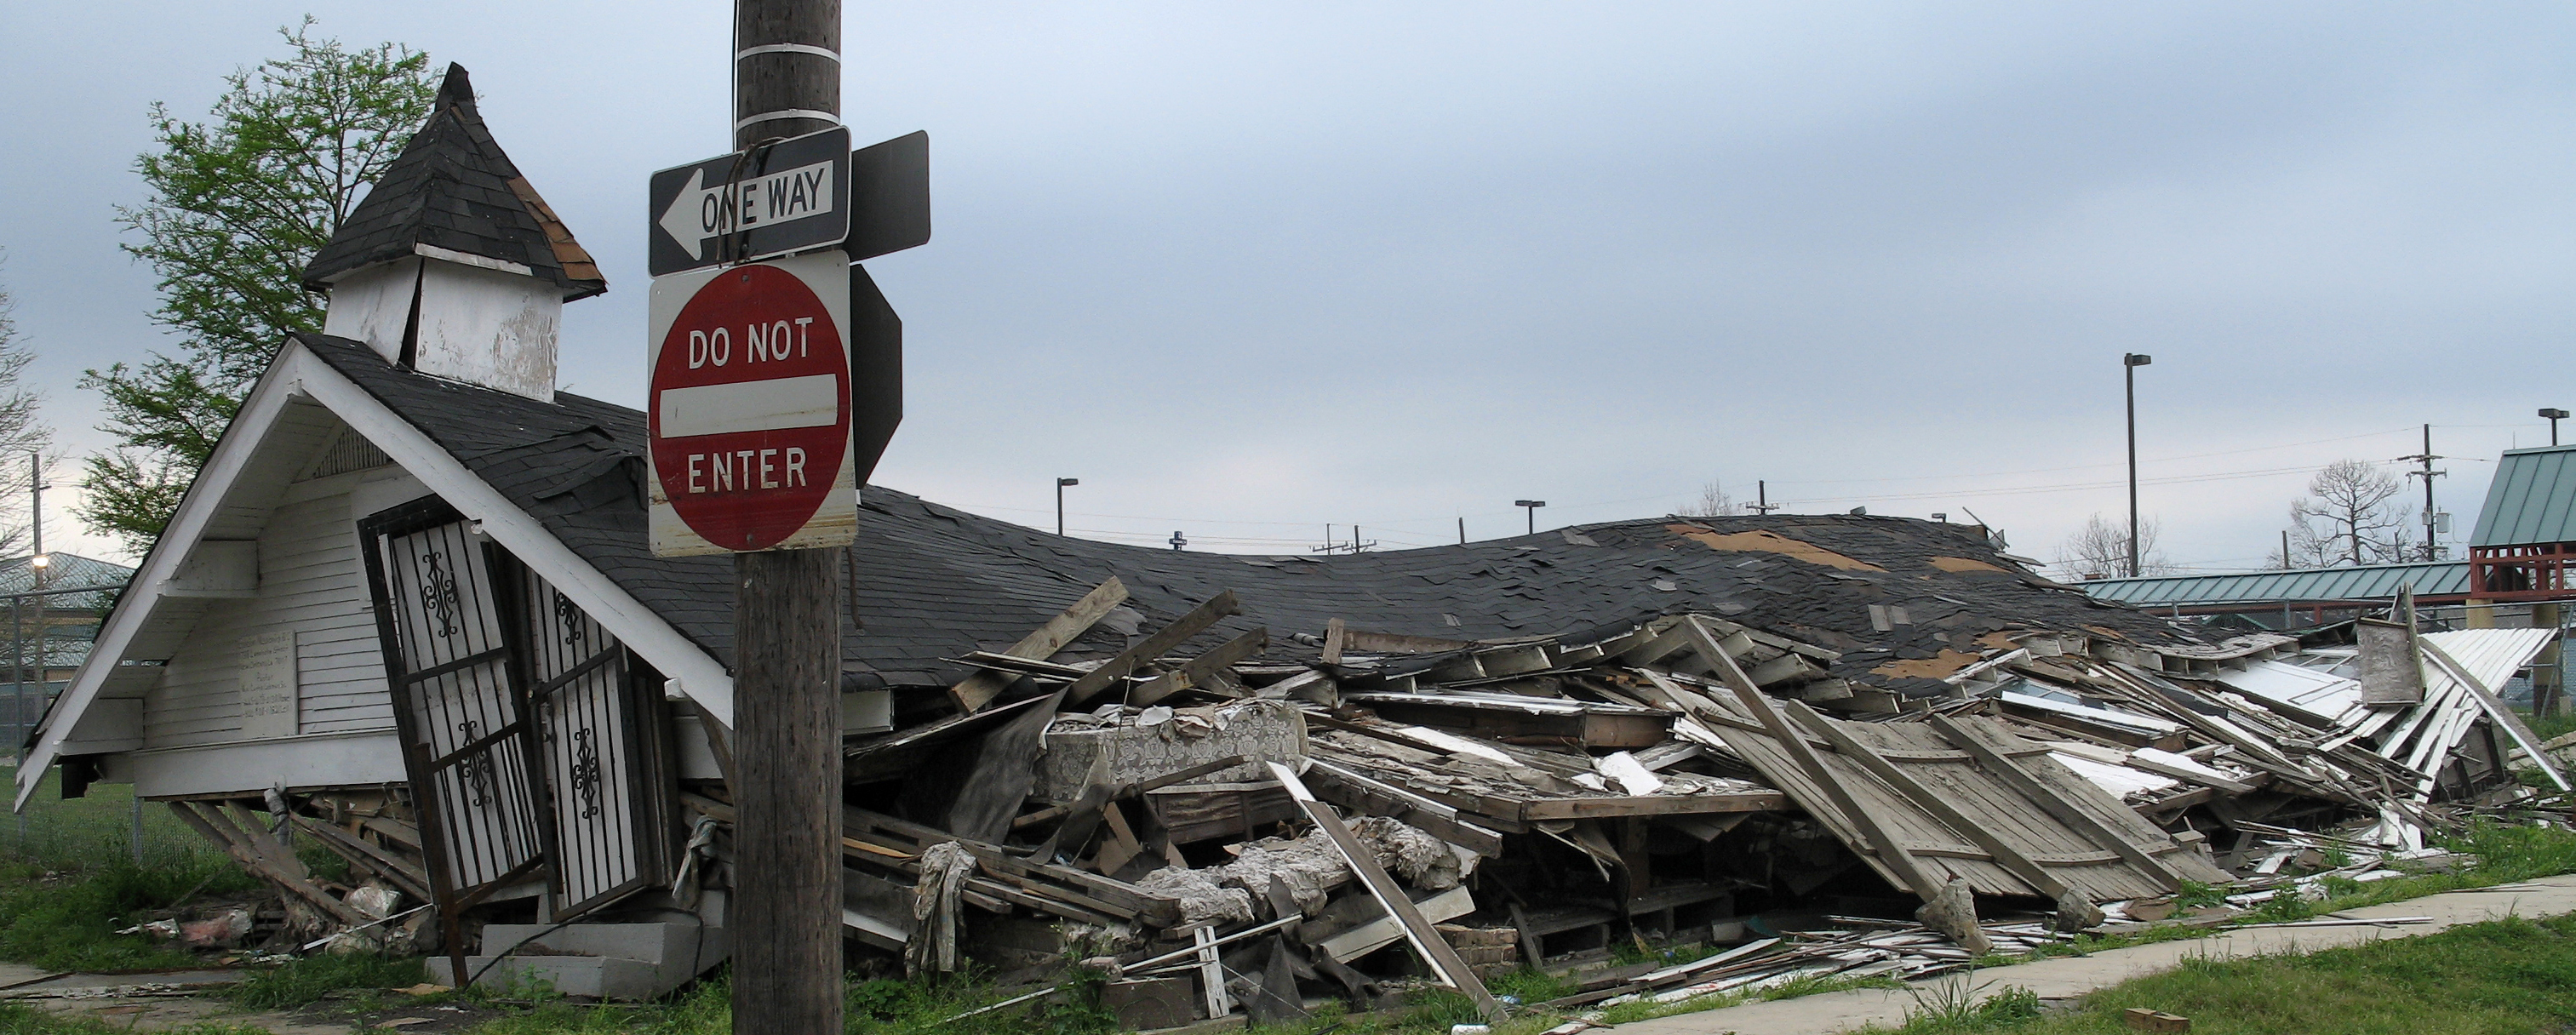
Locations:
453 188
1905 601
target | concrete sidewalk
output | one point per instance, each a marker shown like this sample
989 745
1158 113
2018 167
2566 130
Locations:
2069 976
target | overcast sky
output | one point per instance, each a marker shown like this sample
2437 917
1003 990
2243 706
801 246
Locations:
1249 270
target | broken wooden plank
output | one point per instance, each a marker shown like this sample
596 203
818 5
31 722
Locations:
1357 791
978 690
1386 930
1890 852
1934 802
244 850
1202 672
2531 742
1995 761
1425 939
1151 647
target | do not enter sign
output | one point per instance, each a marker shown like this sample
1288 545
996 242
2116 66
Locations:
749 408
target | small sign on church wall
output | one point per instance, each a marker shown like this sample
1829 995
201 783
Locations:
267 674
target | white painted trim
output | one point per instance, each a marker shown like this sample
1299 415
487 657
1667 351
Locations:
250 425
431 251
316 760
296 371
631 622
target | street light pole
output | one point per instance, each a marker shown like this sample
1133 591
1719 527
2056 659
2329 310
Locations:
1531 508
2554 415
1060 483
2129 364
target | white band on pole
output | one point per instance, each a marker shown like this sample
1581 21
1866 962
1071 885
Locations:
787 48
832 117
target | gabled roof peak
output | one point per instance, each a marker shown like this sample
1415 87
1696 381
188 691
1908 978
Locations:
453 190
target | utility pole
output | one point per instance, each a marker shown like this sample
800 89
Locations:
2431 547
2285 551
1762 498
1060 483
37 565
1530 507
785 911
2129 364
1462 530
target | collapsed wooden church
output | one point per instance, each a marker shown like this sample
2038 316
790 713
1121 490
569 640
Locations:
408 614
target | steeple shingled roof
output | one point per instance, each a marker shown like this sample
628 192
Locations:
453 188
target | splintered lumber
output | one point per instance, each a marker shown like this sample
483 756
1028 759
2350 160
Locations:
1356 791
978 690
370 857
2531 742
1426 940
1931 801
1201 673
1890 852
1078 887
1140 787
2002 766
1152 647
245 850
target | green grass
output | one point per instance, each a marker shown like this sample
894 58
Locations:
21 1019
79 833
69 922
308 980
2507 977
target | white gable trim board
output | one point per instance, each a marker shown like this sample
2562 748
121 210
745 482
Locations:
168 574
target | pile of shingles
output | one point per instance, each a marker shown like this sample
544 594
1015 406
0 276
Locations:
1232 821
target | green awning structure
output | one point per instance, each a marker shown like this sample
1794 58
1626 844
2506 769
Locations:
2310 586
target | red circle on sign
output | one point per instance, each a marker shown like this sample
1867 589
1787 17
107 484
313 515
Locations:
747 375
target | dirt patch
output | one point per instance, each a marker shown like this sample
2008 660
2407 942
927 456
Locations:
1965 564
1768 542
1997 640
1938 666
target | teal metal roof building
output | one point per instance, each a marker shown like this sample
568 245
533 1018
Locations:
2526 533
2366 583
2532 500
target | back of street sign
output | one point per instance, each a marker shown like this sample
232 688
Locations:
789 196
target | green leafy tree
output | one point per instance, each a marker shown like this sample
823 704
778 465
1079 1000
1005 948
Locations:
239 203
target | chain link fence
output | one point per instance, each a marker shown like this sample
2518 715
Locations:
97 829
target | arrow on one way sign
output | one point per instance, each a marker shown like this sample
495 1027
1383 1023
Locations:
790 196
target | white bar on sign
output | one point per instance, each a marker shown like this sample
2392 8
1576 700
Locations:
785 402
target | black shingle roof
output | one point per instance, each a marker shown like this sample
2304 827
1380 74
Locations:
935 582
452 187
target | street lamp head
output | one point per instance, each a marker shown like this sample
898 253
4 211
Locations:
1061 482
2553 413
41 560
1529 503
2136 359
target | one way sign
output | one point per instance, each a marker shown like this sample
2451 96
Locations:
786 197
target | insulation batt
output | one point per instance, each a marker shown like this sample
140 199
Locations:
1200 897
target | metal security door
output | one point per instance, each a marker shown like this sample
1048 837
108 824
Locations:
451 663
597 768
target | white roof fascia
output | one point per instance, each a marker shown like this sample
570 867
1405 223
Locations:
250 425
296 371
636 626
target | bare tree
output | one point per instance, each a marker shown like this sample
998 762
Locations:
22 434
2310 547
2100 549
2360 512
1714 501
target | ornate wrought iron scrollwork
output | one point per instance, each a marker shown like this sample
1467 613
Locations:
438 594
568 615
586 771
478 770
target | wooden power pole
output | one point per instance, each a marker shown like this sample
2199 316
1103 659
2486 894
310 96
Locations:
785 909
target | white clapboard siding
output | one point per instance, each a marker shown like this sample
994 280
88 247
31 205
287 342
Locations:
310 581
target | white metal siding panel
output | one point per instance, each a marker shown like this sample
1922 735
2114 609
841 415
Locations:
310 582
